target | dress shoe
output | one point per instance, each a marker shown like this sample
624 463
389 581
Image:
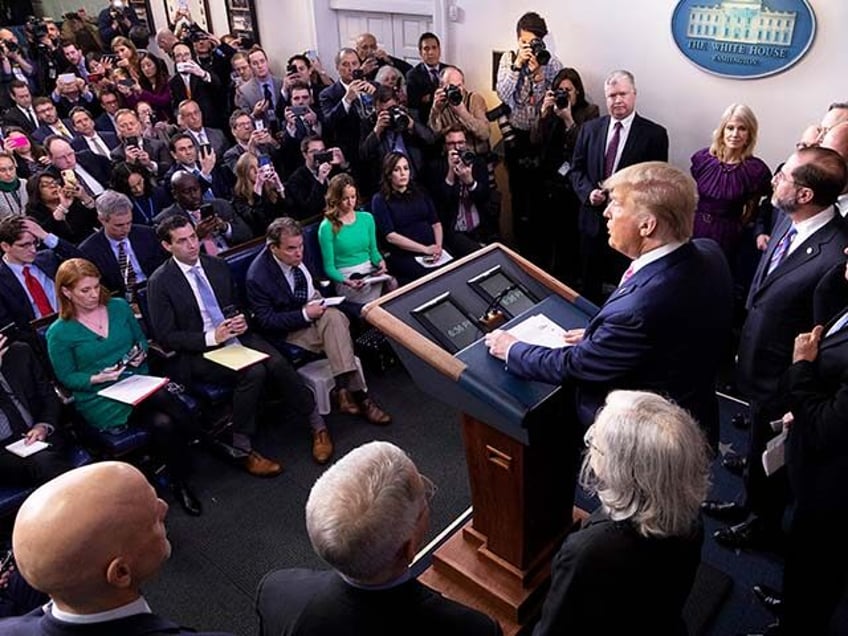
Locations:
187 499
347 404
374 413
260 466
724 510
748 535
769 597
735 464
322 446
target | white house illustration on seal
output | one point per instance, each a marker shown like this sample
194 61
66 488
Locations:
748 21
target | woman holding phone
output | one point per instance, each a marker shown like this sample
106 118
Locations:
97 341
60 208
258 196
13 194
30 158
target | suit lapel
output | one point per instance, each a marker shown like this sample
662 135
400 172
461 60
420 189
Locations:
601 145
760 278
633 139
275 272
806 251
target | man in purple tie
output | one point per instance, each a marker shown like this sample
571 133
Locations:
806 243
603 147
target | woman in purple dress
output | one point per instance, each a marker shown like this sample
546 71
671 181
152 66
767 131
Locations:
731 181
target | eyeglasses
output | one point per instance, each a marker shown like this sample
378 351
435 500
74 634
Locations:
430 489
28 245
781 176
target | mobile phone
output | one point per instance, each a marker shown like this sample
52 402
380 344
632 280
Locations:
132 141
69 177
358 74
67 78
109 57
129 355
182 5
93 78
8 330
325 156
299 110
205 149
291 69
206 211
126 82
183 67
311 55
17 142
264 160
231 311
259 124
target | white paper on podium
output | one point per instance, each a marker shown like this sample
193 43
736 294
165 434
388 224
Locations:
540 330
22 449
133 389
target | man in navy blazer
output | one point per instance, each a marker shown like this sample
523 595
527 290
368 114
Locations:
664 327
806 243
93 554
598 153
142 250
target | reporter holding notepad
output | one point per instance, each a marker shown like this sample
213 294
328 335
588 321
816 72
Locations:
95 342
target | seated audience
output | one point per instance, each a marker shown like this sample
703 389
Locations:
202 162
190 118
93 554
29 158
58 207
96 342
307 186
148 199
110 102
13 193
348 240
258 196
218 226
136 149
454 105
366 517
288 308
90 172
192 302
26 273
49 122
646 460
29 410
100 143
407 220
248 138
125 253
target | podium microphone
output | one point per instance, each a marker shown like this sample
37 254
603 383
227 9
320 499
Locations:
493 317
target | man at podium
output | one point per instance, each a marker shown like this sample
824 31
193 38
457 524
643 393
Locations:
665 326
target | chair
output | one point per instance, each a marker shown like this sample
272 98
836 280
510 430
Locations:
239 258
318 376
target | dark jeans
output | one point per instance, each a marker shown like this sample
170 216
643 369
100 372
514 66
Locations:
35 469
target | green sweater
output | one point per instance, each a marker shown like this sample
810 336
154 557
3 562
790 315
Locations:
77 353
354 244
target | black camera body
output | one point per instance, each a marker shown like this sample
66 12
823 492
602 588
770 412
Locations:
325 156
540 51
467 157
358 74
398 118
11 46
291 69
453 94
37 27
561 98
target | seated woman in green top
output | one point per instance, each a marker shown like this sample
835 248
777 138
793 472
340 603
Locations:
348 239
88 346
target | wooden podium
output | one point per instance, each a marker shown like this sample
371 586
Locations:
521 439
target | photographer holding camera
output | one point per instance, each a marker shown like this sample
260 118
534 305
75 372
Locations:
564 110
453 105
14 64
307 186
115 20
301 121
392 130
524 77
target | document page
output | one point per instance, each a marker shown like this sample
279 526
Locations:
133 389
235 356
540 330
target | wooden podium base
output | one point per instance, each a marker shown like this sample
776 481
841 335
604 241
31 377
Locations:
464 571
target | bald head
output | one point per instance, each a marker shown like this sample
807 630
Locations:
91 537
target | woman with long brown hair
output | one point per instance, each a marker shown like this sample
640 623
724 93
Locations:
259 195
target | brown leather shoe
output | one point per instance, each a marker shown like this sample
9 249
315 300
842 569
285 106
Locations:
374 413
322 446
260 466
347 404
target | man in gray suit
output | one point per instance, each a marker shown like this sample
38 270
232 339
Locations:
261 94
190 117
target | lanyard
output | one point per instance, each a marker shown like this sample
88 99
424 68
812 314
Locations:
148 217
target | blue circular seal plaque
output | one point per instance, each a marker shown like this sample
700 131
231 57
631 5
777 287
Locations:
743 39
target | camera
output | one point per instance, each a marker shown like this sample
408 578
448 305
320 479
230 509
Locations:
325 156
11 46
195 33
561 98
291 69
500 114
299 111
540 51
453 94
38 28
358 74
467 157
398 118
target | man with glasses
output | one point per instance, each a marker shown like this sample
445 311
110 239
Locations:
248 138
367 516
26 273
806 243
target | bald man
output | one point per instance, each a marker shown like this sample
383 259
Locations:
90 539
837 139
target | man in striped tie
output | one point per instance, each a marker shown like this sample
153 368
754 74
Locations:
805 244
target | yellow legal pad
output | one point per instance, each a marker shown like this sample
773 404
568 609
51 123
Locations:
235 356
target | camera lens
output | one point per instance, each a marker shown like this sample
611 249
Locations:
454 95
467 157
540 51
561 98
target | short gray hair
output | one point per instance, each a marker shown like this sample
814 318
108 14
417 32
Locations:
618 75
647 461
363 510
280 227
342 52
111 202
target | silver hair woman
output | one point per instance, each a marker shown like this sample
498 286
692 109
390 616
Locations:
647 462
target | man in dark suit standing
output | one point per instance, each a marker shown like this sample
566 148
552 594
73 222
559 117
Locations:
373 58
92 554
30 409
806 242
125 253
192 301
604 146
190 118
191 81
366 517
422 80
664 327
288 309
21 113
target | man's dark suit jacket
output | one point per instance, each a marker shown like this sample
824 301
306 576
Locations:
97 166
157 150
43 131
79 144
646 141
221 184
240 231
217 140
37 623
148 252
780 306
662 331
307 602
373 149
30 385
419 83
204 93
608 564
340 128
14 303
103 123
13 116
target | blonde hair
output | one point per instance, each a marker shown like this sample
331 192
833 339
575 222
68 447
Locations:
334 196
746 116
244 184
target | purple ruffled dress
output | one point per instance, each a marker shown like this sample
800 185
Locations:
723 191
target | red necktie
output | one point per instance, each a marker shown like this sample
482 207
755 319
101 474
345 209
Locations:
37 292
